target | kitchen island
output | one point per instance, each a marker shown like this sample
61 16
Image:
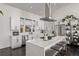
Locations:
38 47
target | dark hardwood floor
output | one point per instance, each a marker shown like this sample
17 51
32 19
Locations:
71 51
13 52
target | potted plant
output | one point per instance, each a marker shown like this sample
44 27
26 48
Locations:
67 18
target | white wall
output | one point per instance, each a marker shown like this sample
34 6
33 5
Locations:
15 14
72 8
4 32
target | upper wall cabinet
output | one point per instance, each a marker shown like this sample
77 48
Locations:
15 23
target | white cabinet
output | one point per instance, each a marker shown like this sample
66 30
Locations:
16 42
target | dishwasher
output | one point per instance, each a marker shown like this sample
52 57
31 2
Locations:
24 39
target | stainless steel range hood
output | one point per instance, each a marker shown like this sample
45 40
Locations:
47 13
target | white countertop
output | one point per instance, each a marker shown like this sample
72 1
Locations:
46 44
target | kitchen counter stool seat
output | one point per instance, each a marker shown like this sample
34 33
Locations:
62 43
51 52
64 49
57 47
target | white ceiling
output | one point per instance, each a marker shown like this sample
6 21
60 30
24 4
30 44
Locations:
37 8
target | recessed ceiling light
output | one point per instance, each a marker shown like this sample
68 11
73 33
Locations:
50 17
31 7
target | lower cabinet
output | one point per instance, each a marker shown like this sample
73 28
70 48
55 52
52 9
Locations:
16 42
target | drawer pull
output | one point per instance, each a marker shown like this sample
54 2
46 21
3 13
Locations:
17 40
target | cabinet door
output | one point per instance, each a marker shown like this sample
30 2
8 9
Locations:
19 42
13 45
16 42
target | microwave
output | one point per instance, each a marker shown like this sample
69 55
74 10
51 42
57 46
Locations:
15 33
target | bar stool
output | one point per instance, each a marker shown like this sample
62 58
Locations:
63 44
64 49
57 47
51 52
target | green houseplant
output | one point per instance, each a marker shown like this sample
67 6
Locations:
68 18
1 13
74 39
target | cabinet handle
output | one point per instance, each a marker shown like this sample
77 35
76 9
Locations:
17 40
